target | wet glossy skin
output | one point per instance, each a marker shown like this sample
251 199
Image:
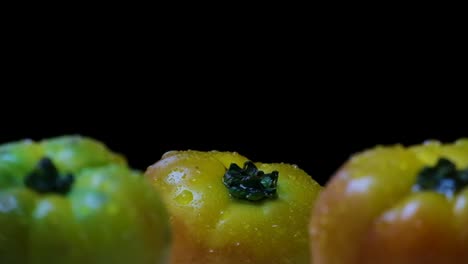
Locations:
369 214
210 226
109 216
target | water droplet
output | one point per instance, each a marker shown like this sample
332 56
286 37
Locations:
237 244
175 177
432 142
185 197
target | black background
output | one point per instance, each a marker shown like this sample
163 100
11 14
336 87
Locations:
313 107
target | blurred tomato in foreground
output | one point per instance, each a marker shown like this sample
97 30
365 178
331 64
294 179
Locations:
392 204
71 200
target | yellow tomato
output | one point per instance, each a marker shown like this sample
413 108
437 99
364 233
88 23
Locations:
222 213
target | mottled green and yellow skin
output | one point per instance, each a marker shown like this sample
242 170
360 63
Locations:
210 226
370 212
110 214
